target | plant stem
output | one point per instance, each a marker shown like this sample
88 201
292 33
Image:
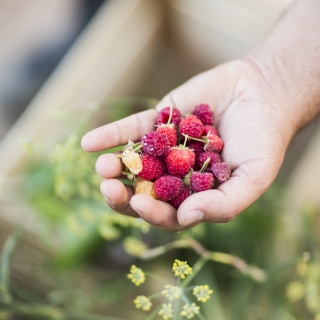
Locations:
188 289
154 276
254 272
177 303
197 267
155 295
5 266
200 316
39 310
154 313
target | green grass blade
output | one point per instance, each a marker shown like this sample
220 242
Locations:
5 266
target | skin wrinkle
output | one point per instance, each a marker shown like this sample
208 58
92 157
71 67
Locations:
139 121
119 131
126 210
264 77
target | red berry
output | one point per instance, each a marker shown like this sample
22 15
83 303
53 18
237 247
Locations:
196 146
167 187
201 181
207 129
164 114
170 132
180 161
222 171
183 195
191 126
155 144
214 157
163 161
204 113
214 143
152 167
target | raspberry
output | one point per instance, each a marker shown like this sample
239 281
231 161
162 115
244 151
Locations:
155 144
170 132
152 167
207 129
204 113
179 161
196 146
214 157
191 126
222 171
183 195
167 187
201 181
164 115
146 187
214 143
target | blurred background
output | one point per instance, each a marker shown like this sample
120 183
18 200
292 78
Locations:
69 66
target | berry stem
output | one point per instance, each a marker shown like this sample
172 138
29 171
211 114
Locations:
170 116
194 138
138 147
185 140
205 164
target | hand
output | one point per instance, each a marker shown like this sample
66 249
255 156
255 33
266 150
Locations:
253 122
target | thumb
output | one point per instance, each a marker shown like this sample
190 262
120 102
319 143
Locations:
245 186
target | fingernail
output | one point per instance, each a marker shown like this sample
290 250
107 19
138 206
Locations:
192 217
105 198
134 207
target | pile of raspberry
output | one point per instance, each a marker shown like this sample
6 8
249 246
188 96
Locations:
181 157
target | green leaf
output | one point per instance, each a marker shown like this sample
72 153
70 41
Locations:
5 266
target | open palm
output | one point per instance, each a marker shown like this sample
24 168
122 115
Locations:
251 119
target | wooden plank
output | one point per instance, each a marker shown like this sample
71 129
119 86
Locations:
101 63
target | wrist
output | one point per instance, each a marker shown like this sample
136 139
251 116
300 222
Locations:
288 60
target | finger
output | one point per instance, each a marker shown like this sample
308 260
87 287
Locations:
119 132
109 166
117 196
247 184
157 213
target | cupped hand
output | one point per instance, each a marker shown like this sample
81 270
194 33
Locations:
253 120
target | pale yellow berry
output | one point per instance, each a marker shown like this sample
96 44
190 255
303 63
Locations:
146 187
132 161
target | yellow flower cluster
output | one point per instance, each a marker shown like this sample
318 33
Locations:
166 311
308 286
181 269
190 310
134 247
142 302
295 291
73 173
136 275
202 293
171 292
